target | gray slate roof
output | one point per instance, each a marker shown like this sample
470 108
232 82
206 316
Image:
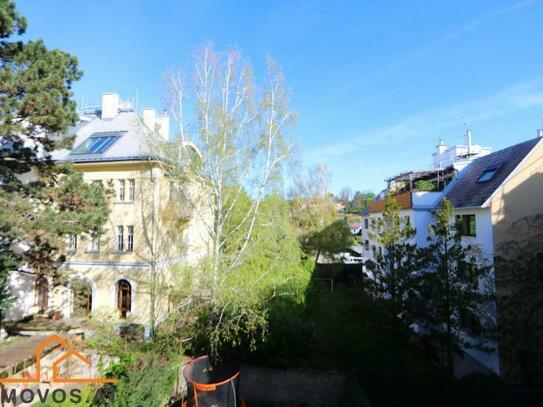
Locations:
130 146
467 192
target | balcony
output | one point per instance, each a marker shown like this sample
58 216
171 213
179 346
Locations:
409 200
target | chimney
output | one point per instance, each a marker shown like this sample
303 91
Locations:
539 132
110 105
149 118
441 147
163 123
468 136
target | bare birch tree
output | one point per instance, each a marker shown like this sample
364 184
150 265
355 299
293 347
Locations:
226 159
312 208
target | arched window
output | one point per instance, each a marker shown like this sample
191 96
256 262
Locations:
124 297
42 294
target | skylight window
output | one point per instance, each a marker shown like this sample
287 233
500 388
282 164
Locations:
97 143
487 175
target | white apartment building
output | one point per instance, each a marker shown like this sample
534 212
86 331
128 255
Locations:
489 191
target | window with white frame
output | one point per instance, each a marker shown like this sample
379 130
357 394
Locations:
72 243
121 190
171 191
131 189
119 238
94 242
466 225
130 238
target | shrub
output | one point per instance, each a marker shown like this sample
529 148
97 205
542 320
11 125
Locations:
423 185
145 381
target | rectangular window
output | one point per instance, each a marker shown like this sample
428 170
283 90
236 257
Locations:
366 223
367 244
406 220
121 190
94 242
119 238
130 238
487 175
171 191
97 182
96 144
466 225
131 189
72 243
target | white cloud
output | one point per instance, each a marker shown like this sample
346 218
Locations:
431 123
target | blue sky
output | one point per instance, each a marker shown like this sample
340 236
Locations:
375 84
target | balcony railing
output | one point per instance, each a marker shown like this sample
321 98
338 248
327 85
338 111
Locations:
407 200
404 201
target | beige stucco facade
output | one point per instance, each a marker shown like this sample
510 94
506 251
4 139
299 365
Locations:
520 197
517 218
164 235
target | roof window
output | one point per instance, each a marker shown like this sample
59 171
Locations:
97 143
487 175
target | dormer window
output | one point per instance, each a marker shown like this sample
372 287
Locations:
487 175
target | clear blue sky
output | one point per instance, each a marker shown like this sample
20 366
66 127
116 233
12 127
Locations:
376 84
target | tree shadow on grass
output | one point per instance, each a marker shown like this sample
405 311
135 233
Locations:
346 330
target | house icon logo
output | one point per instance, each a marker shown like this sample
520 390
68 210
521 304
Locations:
56 377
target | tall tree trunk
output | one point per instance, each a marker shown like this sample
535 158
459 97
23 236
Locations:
317 256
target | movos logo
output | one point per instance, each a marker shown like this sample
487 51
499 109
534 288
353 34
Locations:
28 394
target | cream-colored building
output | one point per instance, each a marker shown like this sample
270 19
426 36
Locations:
126 271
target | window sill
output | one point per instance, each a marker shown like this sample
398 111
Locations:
92 252
123 202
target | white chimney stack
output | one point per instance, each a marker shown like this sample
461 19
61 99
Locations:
110 105
539 132
441 147
468 136
149 118
163 123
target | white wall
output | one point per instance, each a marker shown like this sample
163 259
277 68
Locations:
483 231
425 199
21 286
420 220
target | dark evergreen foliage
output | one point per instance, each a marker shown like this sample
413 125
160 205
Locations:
40 201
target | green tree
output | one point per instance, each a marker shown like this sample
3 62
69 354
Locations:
360 201
334 238
40 201
228 162
455 292
312 208
396 262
